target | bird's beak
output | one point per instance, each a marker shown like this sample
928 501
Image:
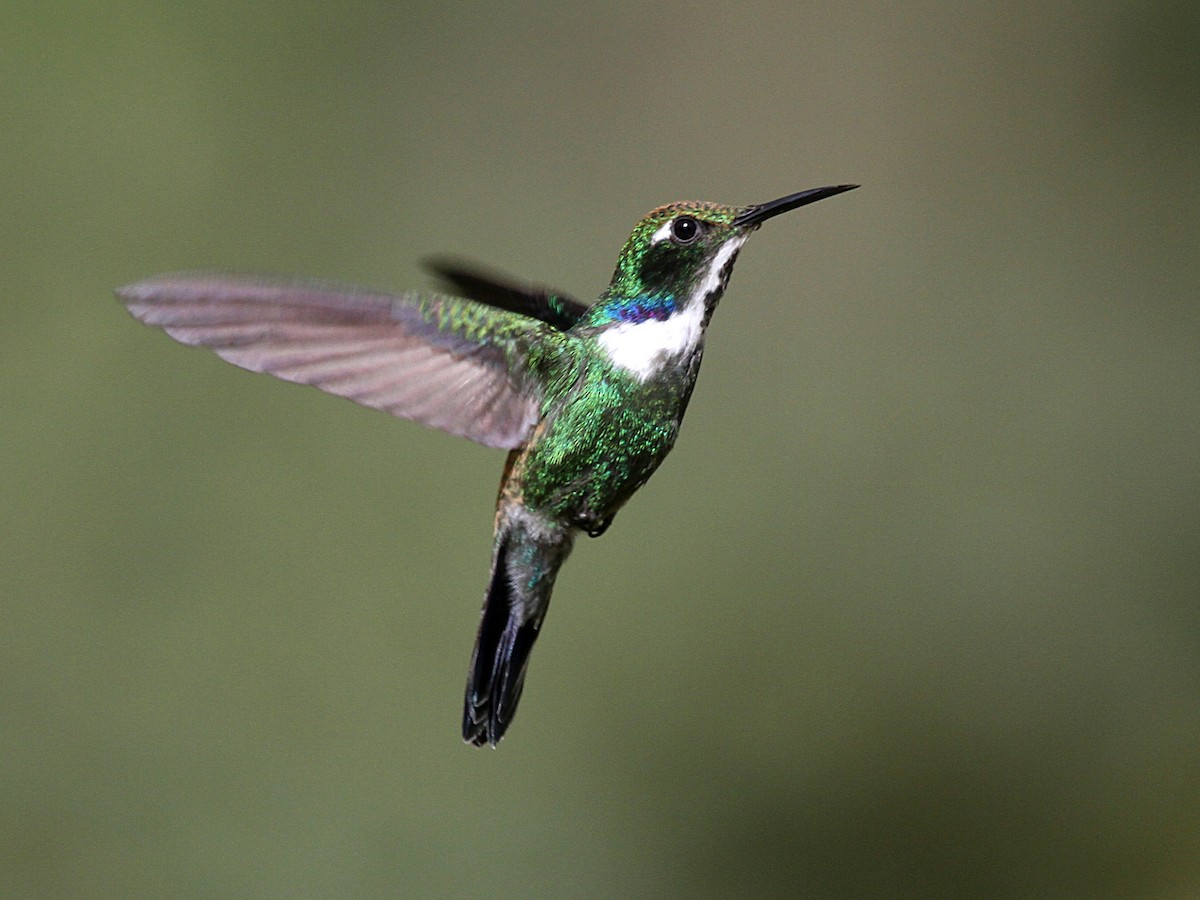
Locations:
756 215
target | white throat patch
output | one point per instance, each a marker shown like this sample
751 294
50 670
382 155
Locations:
712 278
645 347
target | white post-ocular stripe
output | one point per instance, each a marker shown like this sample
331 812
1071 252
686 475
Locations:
664 232
644 347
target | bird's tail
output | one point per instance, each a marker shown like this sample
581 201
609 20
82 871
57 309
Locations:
527 554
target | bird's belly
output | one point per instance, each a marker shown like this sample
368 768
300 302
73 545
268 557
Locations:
597 451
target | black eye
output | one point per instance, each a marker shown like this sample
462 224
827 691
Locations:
685 229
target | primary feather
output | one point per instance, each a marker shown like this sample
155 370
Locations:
552 306
446 362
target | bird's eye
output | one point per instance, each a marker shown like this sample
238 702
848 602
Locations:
685 229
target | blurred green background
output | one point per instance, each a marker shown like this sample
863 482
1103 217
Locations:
913 610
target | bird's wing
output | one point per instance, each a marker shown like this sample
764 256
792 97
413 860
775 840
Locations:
445 362
551 306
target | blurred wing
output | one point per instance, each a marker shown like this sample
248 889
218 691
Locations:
442 361
551 306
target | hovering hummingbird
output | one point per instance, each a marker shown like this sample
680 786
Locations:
586 399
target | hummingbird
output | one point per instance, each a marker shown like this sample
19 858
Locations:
586 399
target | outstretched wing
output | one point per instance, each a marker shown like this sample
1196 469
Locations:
445 362
551 306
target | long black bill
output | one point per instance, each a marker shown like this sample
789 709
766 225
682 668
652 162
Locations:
756 215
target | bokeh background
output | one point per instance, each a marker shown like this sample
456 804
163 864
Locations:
913 610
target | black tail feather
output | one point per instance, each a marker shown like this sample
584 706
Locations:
512 616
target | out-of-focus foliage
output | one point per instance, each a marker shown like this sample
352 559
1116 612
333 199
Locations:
913 609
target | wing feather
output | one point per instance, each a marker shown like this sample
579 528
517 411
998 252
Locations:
554 307
446 362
